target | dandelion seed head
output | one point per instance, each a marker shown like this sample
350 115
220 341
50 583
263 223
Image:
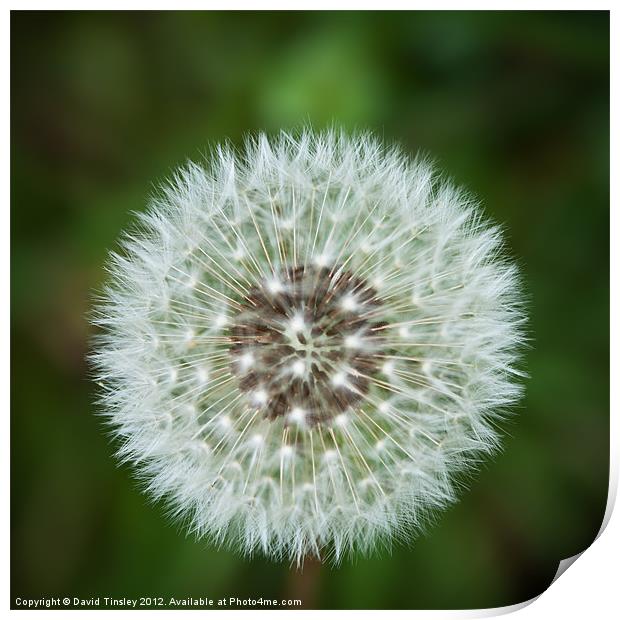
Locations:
304 342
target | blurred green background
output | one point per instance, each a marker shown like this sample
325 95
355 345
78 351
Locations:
513 105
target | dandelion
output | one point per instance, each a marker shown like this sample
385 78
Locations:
303 343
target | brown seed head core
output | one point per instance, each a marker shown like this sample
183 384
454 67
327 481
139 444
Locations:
304 345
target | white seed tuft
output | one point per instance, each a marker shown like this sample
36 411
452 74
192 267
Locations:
305 342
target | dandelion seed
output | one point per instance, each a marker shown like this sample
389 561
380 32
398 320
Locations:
286 451
349 303
298 367
260 397
339 379
202 375
388 368
330 455
246 360
351 342
274 286
297 323
341 419
297 415
304 342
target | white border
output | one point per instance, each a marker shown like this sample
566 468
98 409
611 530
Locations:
587 588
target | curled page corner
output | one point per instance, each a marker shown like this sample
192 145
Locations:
566 563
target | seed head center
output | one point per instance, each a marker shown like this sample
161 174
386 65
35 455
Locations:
311 342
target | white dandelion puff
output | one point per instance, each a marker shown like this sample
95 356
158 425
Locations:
303 343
